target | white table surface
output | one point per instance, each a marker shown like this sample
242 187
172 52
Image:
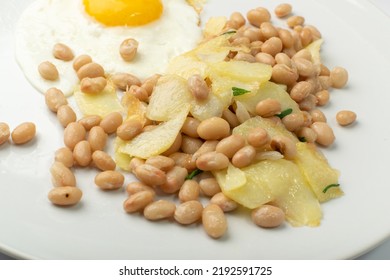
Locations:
381 252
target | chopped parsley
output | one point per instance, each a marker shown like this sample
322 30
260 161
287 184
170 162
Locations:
229 32
239 91
284 113
193 174
330 186
302 139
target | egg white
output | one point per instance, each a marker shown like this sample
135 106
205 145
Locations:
47 22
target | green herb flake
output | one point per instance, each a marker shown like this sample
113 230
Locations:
229 32
239 91
302 139
330 186
284 113
193 174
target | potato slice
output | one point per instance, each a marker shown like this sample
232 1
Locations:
122 160
315 48
214 26
318 172
101 103
267 90
156 141
169 97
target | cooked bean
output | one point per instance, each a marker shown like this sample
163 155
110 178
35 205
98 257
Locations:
238 19
295 20
135 162
225 203
212 161
325 135
230 145
284 145
66 115
138 201
90 121
338 77
62 175
214 221
128 49
265 58
322 97
188 212
253 34
103 161
158 210
198 87
272 46
324 82
65 196
245 57
258 137
4 132
189 191
139 92
175 146
268 155
317 116
209 186
268 216
175 178
82 153
63 52
150 83
54 99
161 162
97 138
286 38
293 121
305 67
345 117
268 30
73 133
80 61
207 146
300 91
231 118
306 37
123 81
184 160
303 54
150 175
190 145
244 156
316 34
93 85
48 71
213 128
109 180
282 74
242 112
135 187
65 156
23 133
309 103
282 58
283 10
307 134
111 122
297 39
268 107
190 126
257 16
91 70
129 129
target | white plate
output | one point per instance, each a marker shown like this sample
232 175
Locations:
355 37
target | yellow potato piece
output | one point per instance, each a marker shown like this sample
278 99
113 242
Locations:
135 108
214 26
156 141
267 90
318 172
122 160
315 48
186 65
169 97
101 103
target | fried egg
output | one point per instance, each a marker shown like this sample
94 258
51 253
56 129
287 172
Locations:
163 29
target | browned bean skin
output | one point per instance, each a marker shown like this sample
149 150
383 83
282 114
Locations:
23 133
54 99
73 133
109 180
214 221
138 201
284 145
4 132
188 212
97 138
158 210
65 196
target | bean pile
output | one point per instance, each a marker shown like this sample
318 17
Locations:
185 169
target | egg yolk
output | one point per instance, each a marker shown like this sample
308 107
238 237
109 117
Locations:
124 12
